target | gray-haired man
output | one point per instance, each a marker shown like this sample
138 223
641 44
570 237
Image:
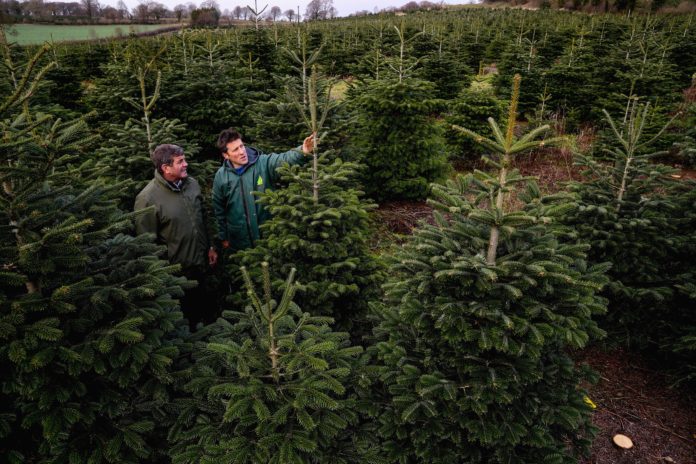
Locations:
177 221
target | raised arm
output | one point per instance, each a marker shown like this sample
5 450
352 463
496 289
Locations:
295 156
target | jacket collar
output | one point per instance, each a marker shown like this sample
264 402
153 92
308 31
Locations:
165 183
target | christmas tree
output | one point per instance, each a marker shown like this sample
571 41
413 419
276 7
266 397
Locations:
627 214
88 322
396 136
478 319
320 226
397 139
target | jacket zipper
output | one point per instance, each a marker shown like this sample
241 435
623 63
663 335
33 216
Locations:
246 211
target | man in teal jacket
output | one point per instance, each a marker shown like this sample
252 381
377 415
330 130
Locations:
244 171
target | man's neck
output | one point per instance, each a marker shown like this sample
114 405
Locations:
176 182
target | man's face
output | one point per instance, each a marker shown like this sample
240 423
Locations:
176 170
236 153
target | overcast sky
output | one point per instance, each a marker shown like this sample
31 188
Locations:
344 7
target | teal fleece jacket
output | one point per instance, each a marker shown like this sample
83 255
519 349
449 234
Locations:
237 213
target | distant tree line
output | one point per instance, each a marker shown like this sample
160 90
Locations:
602 5
208 13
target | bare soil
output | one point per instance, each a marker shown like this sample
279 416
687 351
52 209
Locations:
635 400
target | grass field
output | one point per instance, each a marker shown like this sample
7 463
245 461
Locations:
30 34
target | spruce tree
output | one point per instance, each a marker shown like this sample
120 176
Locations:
478 318
269 386
88 322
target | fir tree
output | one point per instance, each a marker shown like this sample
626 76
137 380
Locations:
87 315
626 214
471 109
576 64
686 126
269 386
477 321
397 139
440 65
127 152
321 226
216 89
678 331
278 120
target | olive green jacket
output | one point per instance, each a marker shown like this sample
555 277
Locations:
237 212
177 220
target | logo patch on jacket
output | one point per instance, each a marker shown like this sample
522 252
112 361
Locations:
259 181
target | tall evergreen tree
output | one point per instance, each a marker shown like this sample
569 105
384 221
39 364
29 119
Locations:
627 214
678 331
320 225
88 322
477 321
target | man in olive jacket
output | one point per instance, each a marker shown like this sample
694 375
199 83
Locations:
244 171
173 212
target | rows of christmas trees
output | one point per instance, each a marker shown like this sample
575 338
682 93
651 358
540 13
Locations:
453 347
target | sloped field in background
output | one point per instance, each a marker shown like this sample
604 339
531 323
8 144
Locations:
31 34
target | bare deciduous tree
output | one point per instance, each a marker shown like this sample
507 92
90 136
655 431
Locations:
91 8
180 11
320 9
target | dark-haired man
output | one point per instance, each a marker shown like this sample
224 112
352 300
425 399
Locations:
246 170
177 221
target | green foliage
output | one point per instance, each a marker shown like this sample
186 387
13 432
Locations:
397 139
477 320
87 315
211 86
686 126
678 331
278 120
439 64
326 240
474 354
627 214
126 153
319 224
269 386
471 109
